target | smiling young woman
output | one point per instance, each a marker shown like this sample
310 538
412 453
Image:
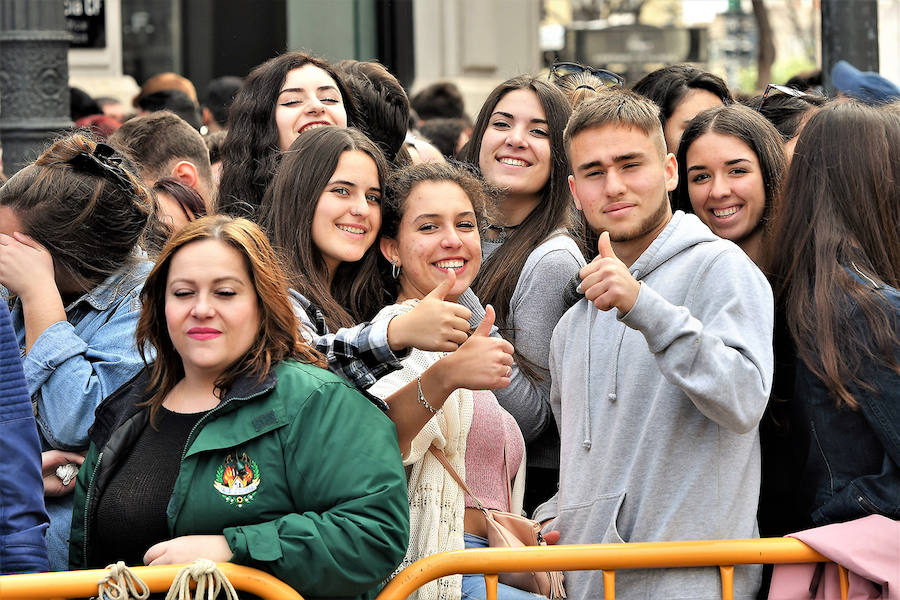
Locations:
731 167
531 254
430 234
280 99
174 449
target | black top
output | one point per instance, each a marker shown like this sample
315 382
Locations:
131 514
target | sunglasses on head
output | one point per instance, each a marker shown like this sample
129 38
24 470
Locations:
608 78
773 89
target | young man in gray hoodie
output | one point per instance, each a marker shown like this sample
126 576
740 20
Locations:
662 372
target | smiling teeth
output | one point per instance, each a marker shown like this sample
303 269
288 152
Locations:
514 162
725 212
350 229
315 126
449 264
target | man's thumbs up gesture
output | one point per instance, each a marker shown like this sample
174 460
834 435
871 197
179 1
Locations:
606 280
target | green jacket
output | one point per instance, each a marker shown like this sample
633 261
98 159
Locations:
304 479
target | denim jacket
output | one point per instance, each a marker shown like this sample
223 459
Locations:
853 460
75 364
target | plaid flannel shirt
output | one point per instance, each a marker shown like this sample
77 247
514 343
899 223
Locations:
360 354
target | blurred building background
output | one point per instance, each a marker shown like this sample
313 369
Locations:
117 44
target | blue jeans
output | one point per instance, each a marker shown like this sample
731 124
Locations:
473 584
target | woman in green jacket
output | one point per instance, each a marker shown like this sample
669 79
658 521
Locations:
234 445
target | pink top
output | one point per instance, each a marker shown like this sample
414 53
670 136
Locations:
485 471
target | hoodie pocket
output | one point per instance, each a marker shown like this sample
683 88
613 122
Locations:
583 523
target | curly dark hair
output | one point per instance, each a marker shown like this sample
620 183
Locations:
250 153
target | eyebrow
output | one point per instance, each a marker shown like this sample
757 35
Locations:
510 116
728 163
467 213
300 89
216 280
616 159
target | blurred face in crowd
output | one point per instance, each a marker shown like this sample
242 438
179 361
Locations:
725 184
515 148
348 214
692 104
438 232
309 98
171 212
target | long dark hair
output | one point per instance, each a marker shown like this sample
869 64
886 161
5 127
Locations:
756 132
278 337
250 152
668 86
838 239
76 195
499 275
287 213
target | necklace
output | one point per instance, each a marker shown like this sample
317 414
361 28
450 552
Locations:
502 230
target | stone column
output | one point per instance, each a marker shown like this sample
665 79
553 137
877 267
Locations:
34 78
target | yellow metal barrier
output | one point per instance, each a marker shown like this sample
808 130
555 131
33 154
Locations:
83 584
608 558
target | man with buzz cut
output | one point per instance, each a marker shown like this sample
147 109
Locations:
662 372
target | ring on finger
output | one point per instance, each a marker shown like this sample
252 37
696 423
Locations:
509 371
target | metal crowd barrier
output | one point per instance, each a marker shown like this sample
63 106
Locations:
724 554
83 584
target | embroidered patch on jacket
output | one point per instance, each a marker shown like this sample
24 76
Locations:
237 479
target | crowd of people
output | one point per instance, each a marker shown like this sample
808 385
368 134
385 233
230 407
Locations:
265 330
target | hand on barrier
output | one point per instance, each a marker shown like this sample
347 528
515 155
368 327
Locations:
186 548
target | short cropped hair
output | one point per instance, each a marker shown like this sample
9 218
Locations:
157 141
618 107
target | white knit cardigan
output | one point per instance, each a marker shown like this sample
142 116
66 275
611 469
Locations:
436 502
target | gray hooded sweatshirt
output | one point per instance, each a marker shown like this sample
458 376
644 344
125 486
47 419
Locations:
658 412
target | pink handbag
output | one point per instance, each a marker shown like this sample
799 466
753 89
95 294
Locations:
508 530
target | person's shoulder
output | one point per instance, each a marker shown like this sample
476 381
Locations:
558 251
297 372
306 381
558 240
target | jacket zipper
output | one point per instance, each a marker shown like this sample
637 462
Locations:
203 419
87 507
87 500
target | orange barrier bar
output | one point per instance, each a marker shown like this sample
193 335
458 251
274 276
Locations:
726 573
83 584
605 557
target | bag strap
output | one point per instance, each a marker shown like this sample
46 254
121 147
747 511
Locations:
442 458
508 483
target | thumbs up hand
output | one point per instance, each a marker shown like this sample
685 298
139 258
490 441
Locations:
434 325
606 280
482 362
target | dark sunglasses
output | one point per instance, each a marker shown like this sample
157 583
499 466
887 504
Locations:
561 69
773 89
